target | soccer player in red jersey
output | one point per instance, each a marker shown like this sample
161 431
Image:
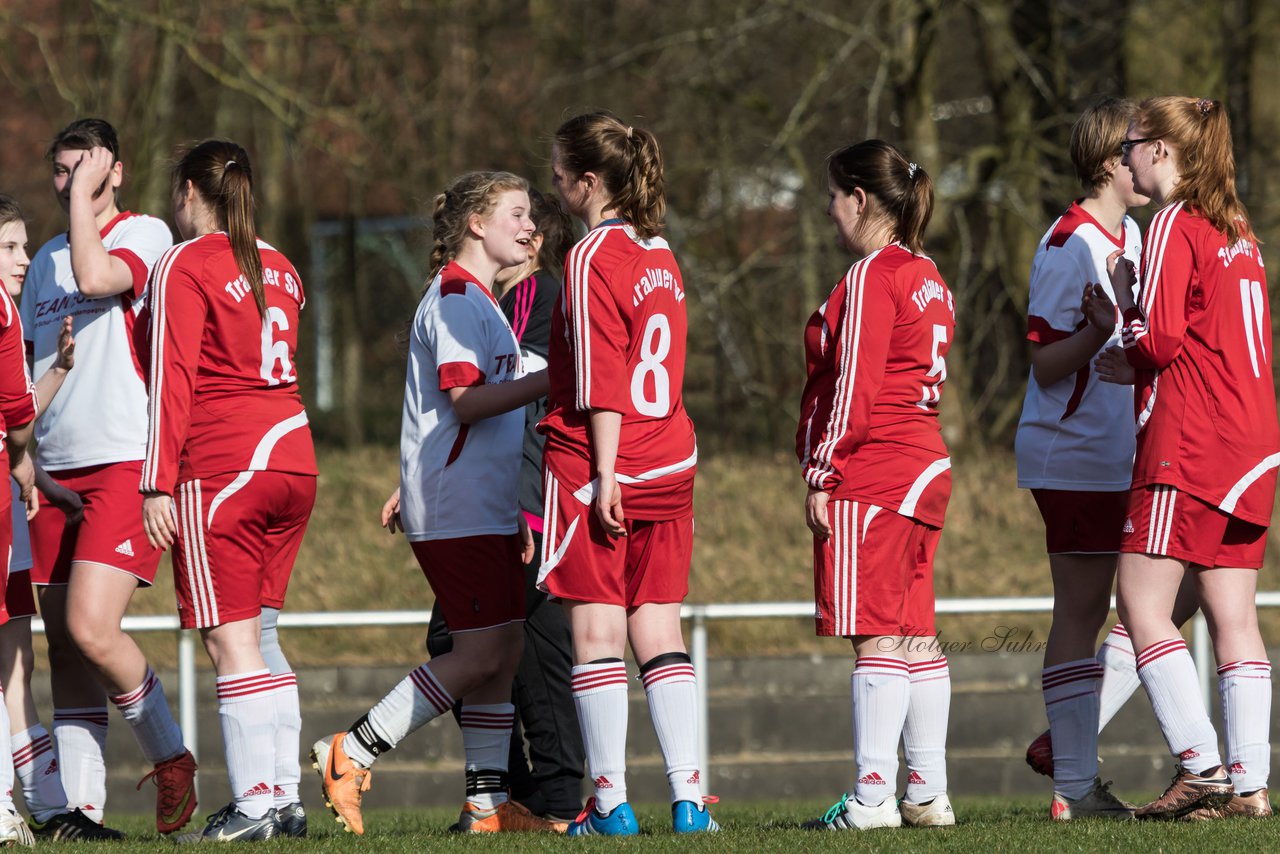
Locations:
90 445
879 479
18 409
1204 475
460 449
230 473
620 459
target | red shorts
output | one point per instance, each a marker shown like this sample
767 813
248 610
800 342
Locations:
478 581
581 563
874 574
1081 522
110 533
238 535
1167 522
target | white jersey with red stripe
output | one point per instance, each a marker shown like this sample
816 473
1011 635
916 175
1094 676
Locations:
876 353
100 414
1076 434
224 390
618 344
1201 340
458 480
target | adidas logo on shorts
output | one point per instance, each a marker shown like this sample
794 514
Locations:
1128 526
125 548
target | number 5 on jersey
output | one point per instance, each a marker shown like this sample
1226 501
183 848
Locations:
932 393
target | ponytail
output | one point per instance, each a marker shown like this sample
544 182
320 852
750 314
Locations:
902 189
1199 133
627 159
221 173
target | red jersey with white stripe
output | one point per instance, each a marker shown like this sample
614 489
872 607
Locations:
223 387
100 414
17 394
876 353
1201 339
1077 433
618 344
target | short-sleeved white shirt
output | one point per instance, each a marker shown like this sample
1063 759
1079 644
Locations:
100 414
1077 434
458 480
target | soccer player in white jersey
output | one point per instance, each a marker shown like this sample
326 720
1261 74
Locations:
460 447
92 440
1075 446
34 763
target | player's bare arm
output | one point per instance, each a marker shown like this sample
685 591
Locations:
51 380
815 513
476 403
97 273
606 428
66 500
1124 275
21 468
391 513
1053 362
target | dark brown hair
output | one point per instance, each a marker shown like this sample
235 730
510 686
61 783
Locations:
556 229
902 189
1200 133
627 159
219 170
84 134
1096 138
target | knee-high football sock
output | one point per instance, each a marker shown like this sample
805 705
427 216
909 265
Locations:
924 734
671 687
418 698
881 691
600 696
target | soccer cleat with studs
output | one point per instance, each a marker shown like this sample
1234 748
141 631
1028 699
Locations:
175 781
74 826
1040 754
230 825
13 830
688 817
293 820
341 780
619 821
1098 802
1255 804
933 813
506 817
1190 791
849 814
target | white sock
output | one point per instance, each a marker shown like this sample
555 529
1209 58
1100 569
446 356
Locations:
1071 702
79 737
6 761
1245 690
288 736
924 734
486 740
1169 675
671 687
418 699
247 711
881 689
1120 674
146 711
288 714
600 696
36 767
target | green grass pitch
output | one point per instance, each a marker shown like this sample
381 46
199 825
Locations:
985 824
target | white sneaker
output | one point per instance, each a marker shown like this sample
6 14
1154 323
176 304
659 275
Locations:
849 814
13 830
934 813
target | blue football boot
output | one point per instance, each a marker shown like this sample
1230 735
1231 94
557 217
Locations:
688 817
620 821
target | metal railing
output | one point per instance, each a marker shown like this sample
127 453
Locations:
698 615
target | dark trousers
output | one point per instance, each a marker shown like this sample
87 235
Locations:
550 780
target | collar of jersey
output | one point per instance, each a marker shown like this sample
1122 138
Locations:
617 220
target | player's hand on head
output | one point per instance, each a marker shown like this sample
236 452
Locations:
391 513
815 513
1112 366
158 520
66 358
609 506
90 172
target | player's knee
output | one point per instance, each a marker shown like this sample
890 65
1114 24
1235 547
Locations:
94 640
